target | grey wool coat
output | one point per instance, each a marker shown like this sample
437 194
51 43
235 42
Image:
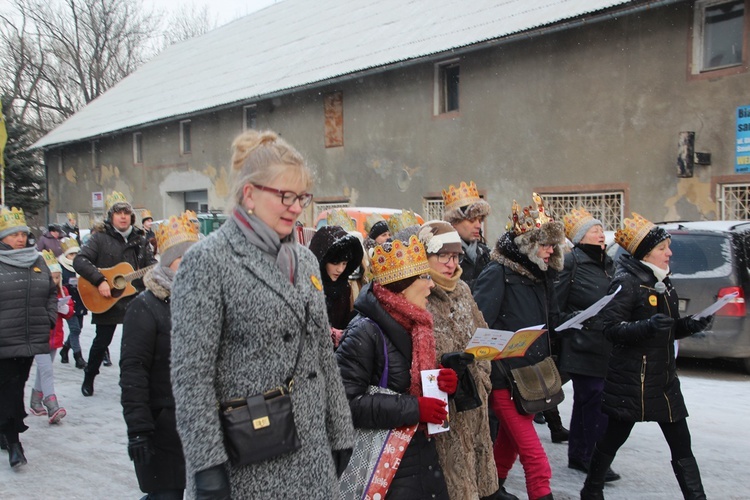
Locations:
236 327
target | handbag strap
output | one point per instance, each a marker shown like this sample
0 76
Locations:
384 377
289 383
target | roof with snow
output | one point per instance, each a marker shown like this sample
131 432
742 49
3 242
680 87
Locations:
294 43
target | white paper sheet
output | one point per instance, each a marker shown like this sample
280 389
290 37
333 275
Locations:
430 389
716 306
591 311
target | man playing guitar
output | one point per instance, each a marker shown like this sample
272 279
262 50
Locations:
115 241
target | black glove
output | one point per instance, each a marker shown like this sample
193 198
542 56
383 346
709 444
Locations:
692 325
341 460
141 449
458 361
212 484
660 324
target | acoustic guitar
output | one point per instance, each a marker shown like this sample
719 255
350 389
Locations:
119 278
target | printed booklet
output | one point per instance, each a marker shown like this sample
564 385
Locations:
487 344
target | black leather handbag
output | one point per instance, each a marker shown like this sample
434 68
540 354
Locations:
261 426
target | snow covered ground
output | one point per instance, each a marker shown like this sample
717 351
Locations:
85 456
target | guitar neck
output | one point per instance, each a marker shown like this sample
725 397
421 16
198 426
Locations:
137 274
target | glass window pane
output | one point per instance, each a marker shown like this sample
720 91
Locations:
722 34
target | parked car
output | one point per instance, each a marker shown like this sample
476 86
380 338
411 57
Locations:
710 260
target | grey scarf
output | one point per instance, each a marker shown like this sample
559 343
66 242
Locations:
470 249
277 251
23 258
159 281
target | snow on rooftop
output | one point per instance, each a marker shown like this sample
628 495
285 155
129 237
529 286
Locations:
298 42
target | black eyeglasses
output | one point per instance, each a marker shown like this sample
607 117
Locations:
425 277
444 258
288 197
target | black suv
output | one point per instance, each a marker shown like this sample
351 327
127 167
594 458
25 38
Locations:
710 259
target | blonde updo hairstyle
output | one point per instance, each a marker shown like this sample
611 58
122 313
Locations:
260 157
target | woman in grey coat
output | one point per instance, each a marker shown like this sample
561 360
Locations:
242 301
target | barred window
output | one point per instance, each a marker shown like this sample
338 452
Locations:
606 206
734 201
432 208
322 206
83 221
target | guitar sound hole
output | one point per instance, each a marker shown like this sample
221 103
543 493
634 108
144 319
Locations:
119 283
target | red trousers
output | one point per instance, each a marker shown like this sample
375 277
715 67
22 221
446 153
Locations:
517 437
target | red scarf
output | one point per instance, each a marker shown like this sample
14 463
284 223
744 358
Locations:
418 323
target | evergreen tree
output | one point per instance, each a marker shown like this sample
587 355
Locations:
24 174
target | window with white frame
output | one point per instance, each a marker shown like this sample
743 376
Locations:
608 207
250 120
734 201
446 86
718 34
432 208
137 147
185 139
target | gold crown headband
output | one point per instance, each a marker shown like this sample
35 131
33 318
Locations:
339 217
51 261
402 220
400 261
632 232
457 197
528 218
11 218
115 197
575 220
176 230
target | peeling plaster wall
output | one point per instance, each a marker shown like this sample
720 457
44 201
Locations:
598 105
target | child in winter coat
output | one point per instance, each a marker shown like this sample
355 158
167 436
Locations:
43 398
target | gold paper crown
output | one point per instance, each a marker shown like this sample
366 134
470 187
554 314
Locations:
457 197
176 230
68 244
401 261
338 217
575 220
12 218
528 218
191 215
402 220
633 231
146 214
115 197
71 215
50 260
371 220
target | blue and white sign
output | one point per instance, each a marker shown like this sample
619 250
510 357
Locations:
742 144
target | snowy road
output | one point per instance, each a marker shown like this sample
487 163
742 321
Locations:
86 457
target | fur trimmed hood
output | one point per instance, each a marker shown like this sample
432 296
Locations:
477 209
519 252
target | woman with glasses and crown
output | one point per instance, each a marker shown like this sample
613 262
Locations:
642 321
515 291
466 451
381 356
248 310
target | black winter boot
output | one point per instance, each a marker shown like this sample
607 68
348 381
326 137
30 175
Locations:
15 454
64 353
80 362
689 477
558 433
593 488
501 494
107 360
87 388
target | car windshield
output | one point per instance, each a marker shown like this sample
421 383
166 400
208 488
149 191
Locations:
700 255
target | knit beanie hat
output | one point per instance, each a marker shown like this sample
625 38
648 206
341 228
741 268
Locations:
440 237
639 236
577 224
378 228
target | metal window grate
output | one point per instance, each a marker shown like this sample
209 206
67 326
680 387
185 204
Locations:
605 206
432 208
734 201
320 207
83 221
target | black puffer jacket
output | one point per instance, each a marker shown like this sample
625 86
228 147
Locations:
106 248
361 360
147 401
642 381
583 281
28 309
